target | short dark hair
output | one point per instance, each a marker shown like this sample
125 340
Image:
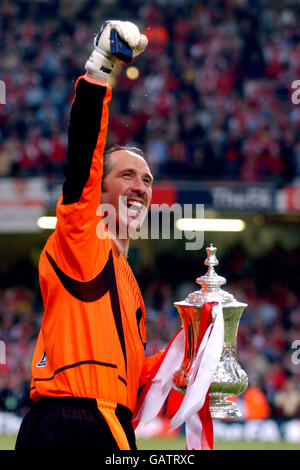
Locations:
115 148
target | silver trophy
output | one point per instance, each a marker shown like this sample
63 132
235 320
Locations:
229 379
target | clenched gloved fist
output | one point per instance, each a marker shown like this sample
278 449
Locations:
103 58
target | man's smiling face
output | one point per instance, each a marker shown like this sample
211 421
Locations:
128 188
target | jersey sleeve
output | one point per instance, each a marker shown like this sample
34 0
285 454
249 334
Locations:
77 207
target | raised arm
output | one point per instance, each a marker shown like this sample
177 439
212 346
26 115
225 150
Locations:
86 140
77 207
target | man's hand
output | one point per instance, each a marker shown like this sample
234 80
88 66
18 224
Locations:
101 61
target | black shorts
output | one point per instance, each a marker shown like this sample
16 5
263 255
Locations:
76 423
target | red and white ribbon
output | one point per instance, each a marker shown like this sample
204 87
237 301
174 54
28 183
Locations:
194 409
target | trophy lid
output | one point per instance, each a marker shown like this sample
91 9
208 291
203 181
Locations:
211 284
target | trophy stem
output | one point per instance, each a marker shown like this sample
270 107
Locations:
220 408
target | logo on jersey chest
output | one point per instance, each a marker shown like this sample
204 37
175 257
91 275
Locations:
43 361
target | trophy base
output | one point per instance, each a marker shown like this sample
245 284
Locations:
223 409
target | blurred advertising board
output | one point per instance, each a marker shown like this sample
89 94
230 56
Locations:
22 202
288 199
243 198
268 430
265 430
218 196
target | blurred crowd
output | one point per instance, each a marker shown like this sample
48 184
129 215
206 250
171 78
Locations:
268 341
212 97
211 100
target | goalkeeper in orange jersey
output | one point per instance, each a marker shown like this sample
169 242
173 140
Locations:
89 359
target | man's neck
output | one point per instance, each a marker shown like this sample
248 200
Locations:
122 245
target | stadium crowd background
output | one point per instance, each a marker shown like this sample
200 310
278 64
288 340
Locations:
212 102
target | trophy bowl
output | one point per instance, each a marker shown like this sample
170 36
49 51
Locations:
229 379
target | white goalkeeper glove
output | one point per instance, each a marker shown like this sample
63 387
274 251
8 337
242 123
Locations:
102 61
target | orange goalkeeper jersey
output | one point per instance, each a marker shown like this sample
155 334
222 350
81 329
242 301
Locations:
92 338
